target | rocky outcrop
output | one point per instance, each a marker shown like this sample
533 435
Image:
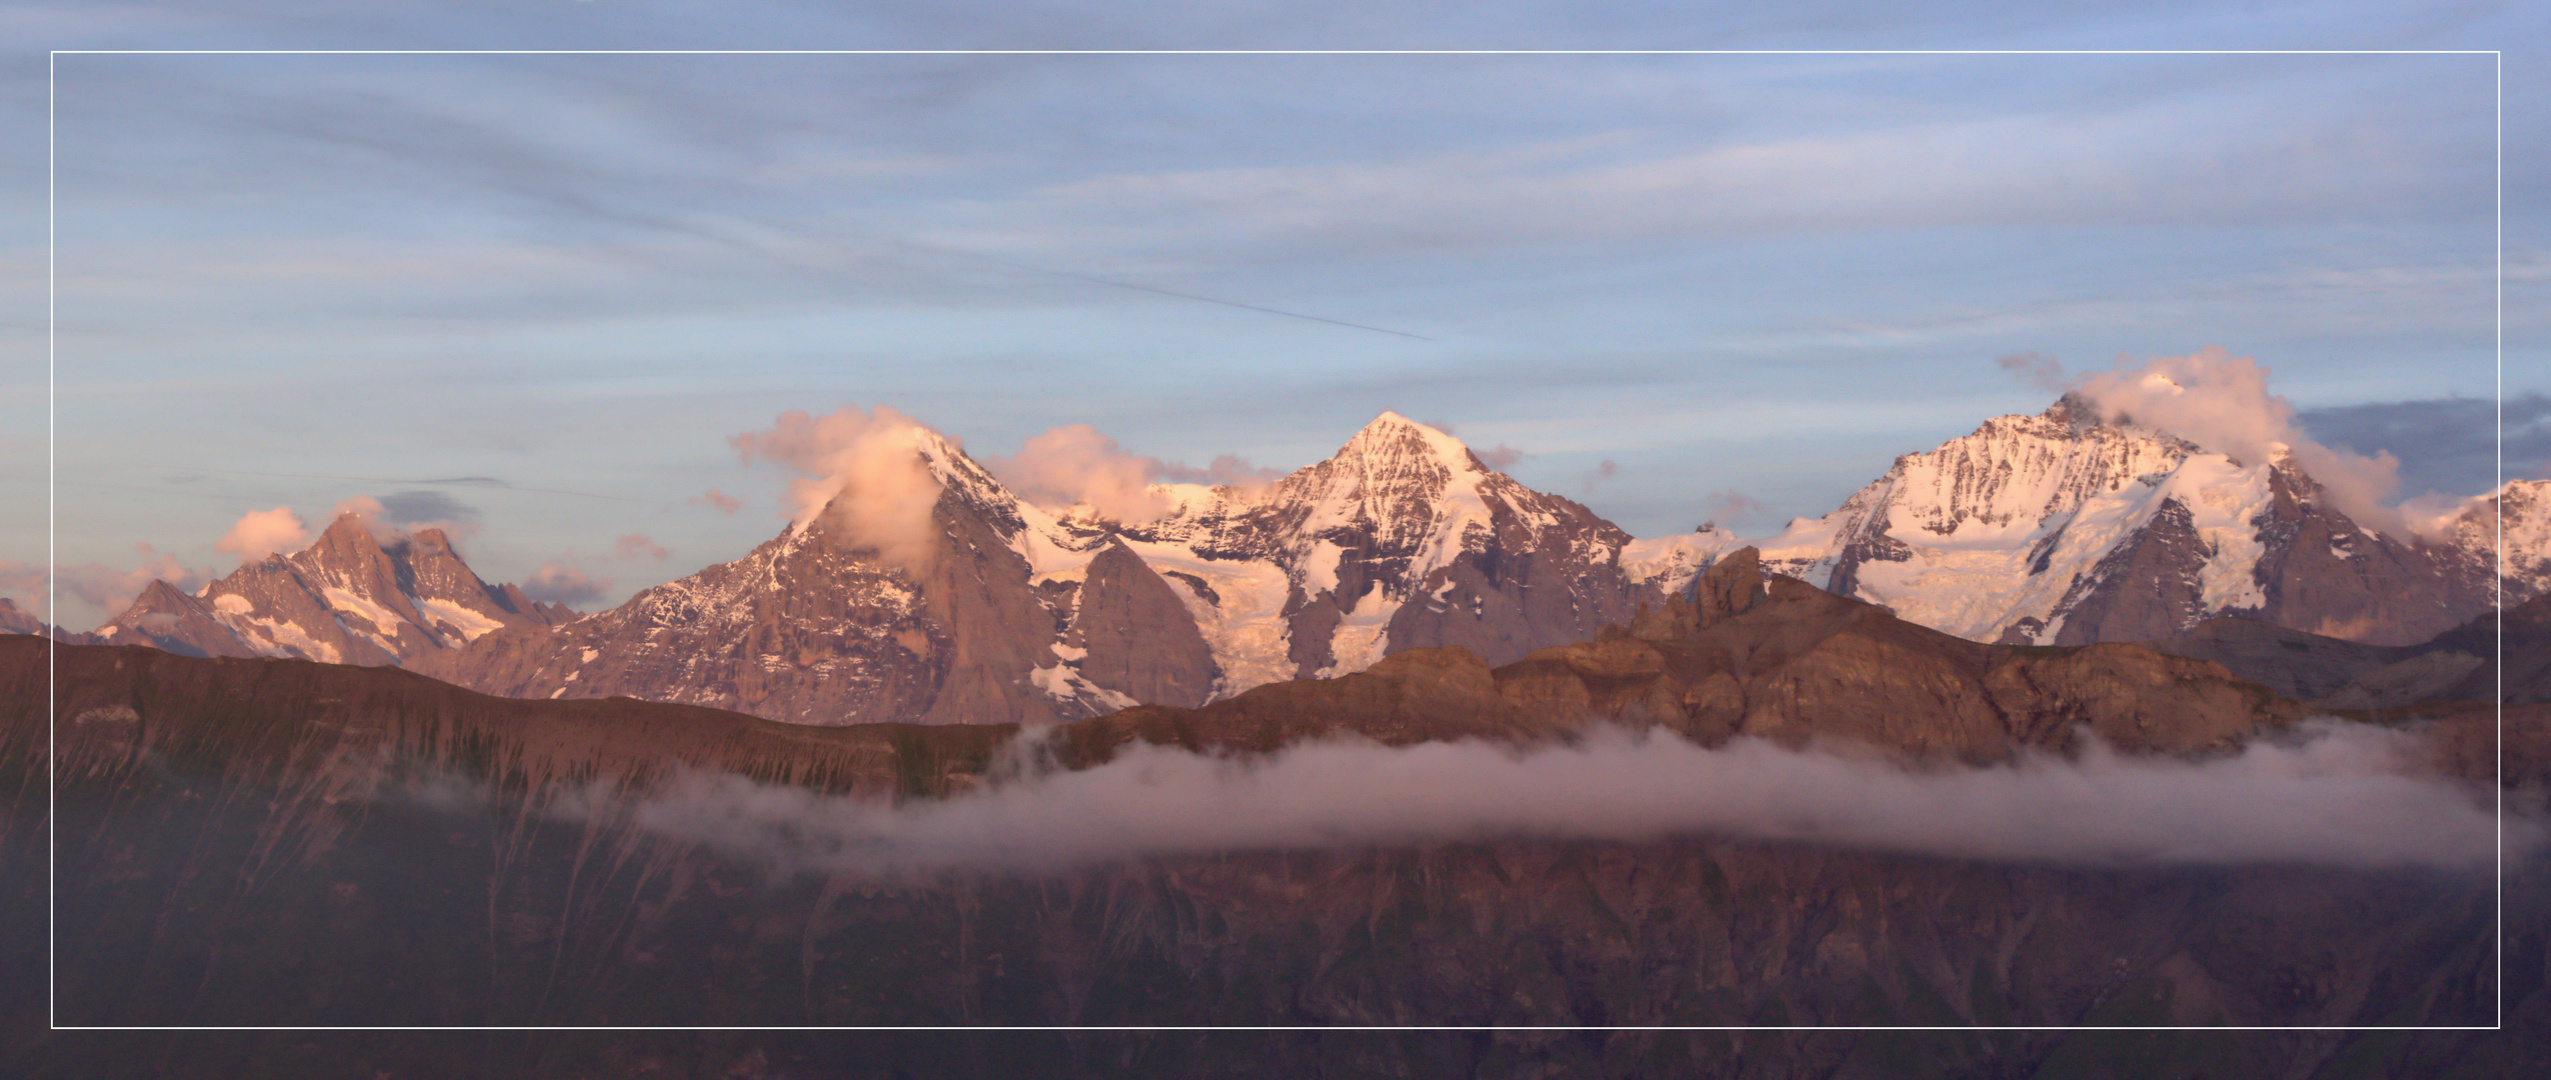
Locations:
2505 659
2145 587
2300 665
1139 638
2460 664
1775 659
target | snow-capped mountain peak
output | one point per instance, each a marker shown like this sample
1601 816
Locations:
1400 538
348 598
2069 527
1394 440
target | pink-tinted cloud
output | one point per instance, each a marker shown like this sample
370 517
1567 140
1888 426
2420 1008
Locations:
866 469
1603 470
1078 466
636 546
369 512
554 583
2333 793
260 533
720 501
1729 505
2040 371
1230 470
1501 457
94 584
2221 403
405 514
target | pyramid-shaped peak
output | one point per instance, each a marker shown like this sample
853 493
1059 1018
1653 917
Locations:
1394 437
1393 424
349 530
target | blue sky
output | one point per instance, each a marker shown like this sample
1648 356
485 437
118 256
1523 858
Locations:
537 293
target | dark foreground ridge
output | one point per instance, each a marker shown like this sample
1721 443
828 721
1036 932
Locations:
264 842
1769 657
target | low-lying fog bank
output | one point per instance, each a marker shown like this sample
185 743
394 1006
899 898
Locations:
2329 793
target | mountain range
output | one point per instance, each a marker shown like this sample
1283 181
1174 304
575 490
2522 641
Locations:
2062 528
360 594
283 844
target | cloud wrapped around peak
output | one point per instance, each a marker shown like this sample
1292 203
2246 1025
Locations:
1077 465
866 467
259 533
2221 403
395 518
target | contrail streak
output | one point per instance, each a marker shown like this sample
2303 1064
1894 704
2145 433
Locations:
1225 303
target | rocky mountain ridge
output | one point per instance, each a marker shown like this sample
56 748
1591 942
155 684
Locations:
360 594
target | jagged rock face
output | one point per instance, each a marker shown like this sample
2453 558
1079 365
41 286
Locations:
1137 636
2459 665
2147 587
1404 539
2521 509
347 599
163 617
2320 572
2067 529
1003 622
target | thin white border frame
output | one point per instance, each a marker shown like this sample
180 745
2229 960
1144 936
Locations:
2498 555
